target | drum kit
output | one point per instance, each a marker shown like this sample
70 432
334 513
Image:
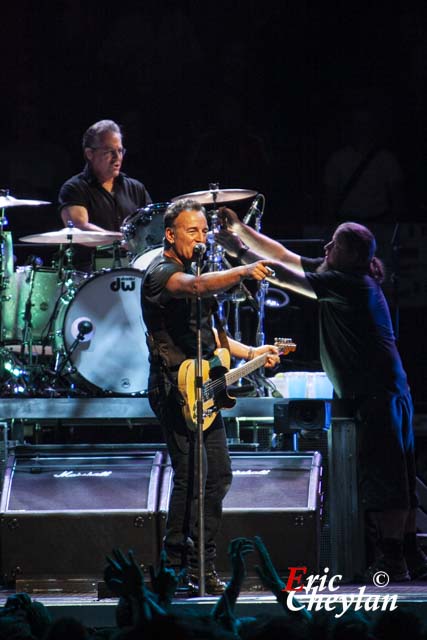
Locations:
68 333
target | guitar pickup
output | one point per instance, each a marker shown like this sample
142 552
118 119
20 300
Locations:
210 411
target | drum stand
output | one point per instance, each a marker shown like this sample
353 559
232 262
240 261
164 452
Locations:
9 368
27 330
117 261
216 254
6 257
218 261
261 380
66 270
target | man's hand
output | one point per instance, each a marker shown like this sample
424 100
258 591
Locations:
273 358
230 241
123 575
228 219
164 581
266 569
256 270
237 550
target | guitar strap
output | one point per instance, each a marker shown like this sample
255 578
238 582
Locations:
222 336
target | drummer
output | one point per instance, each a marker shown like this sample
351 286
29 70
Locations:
101 196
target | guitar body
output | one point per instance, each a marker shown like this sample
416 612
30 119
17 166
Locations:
187 386
216 377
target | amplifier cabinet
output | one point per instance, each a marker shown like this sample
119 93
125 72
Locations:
273 495
63 511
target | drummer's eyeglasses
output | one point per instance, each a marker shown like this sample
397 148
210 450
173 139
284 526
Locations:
111 152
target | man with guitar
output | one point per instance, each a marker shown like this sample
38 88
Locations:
359 354
169 296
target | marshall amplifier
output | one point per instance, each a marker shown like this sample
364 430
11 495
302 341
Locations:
64 509
273 495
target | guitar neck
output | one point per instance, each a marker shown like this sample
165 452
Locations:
245 369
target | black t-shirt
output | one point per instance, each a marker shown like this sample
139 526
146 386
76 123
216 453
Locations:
105 209
357 344
172 321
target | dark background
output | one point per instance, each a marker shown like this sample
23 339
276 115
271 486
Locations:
249 94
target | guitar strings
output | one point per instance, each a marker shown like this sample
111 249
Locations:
215 385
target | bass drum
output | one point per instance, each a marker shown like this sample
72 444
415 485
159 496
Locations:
113 355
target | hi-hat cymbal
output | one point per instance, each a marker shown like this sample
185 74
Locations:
220 195
74 235
10 201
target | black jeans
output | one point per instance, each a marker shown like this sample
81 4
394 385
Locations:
387 473
181 536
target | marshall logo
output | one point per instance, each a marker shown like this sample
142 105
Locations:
249 472
83 474
123 283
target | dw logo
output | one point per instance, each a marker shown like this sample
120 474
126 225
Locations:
123 283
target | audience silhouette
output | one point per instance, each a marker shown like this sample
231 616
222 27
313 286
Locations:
149 612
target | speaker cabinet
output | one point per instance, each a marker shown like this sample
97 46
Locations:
273 495
63 510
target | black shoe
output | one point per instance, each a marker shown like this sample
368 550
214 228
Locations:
214 586
183 588
417 564
396 569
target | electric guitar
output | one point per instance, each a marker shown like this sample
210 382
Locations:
216 377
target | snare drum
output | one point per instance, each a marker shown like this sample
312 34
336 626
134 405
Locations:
41 288
113 356
144 229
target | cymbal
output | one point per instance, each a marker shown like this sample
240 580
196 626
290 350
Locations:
221 195
74 235
10 201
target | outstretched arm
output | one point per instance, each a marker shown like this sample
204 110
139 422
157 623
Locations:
163 581
224 608
271 579
184 285
288 273
260 244
125 578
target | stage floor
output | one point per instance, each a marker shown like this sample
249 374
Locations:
100 612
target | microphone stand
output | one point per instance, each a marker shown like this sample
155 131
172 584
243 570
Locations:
199 441
83 330
27 331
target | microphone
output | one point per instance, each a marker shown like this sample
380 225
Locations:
34 262
84 327
198 250
253 209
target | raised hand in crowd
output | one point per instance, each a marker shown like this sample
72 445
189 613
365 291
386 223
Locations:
164 581
124 577
271 580
22 612
224 608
